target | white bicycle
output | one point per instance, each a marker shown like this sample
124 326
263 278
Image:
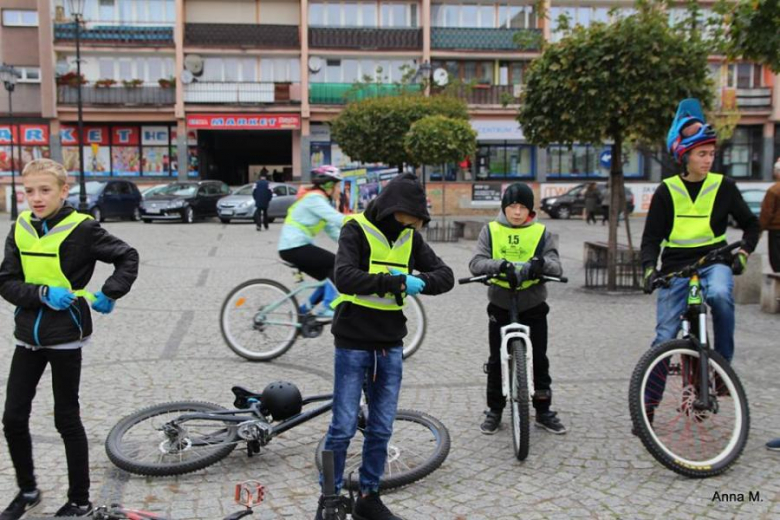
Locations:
517 364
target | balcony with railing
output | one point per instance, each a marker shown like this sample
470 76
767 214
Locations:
477 39
365 38
113 96
496 95
342 93
141 35
242 35
746 99
242 93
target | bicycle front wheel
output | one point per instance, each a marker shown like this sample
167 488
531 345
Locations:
519 400
259 320
419 445
415 326
146 443
682 436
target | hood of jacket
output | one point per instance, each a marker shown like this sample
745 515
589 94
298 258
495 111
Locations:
405 194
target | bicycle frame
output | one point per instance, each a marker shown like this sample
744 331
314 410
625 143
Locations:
301 287
694 329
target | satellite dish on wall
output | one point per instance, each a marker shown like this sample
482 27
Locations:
315 64
441 77
194 64
187 77
61 68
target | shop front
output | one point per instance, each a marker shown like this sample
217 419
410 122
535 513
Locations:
237 148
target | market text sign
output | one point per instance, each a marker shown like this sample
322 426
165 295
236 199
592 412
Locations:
31 135
244 122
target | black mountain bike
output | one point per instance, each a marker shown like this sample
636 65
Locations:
687 404
517 372
181 437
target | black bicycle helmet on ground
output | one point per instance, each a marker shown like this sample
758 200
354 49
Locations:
282 400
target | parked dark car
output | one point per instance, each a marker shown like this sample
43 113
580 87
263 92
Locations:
109 199
573 201
185 201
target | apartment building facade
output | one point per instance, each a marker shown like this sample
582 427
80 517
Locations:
222 89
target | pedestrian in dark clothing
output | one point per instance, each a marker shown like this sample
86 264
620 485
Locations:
262 195
592 202
770 219
50 256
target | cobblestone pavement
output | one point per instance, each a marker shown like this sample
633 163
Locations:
163 343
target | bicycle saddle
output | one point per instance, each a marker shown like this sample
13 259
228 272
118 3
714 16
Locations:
243 395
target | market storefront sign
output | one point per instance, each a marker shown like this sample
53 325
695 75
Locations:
244 121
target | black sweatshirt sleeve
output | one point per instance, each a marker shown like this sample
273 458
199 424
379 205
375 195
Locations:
438 277
111 250
746 220
349 277
657 226
13 288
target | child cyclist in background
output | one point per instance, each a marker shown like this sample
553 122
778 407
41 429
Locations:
50 256
517 245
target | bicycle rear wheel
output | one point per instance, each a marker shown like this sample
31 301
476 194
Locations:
689 441
519 400
259 320
415 326
139 443
419 445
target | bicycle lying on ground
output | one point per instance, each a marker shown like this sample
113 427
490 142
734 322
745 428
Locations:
261 319
517 381
248 494
687 404
181 437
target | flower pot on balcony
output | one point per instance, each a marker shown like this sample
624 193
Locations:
167 82
71 79
105 83
133 83
282 91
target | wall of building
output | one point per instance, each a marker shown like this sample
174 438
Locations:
224 11
279 12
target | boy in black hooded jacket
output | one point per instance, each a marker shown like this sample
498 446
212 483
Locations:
376 251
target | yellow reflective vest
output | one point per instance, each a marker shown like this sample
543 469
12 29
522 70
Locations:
516 245
312 231
383 257
691 226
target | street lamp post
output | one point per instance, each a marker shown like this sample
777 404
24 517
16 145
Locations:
8 75
77 12
424 72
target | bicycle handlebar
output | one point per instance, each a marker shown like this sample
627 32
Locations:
687 271
485 279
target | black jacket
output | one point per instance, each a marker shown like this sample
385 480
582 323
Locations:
362 328
262 194
86 245
660 218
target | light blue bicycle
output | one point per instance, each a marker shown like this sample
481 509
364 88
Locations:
261 319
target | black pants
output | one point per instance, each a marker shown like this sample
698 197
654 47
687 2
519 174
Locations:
591 216
312 260
536 319
261 217
27 367
773 238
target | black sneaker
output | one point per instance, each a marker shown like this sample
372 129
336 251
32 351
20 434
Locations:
22 503
73 509
492 420
550 422
773 445
370 507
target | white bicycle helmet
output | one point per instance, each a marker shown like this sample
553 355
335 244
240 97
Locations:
325 174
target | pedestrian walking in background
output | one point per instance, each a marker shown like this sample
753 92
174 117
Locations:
262 195
592 202
770 219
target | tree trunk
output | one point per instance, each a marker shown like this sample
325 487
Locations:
616 195
443 200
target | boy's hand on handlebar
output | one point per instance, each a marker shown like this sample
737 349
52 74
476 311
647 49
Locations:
739 262
535 268
649 279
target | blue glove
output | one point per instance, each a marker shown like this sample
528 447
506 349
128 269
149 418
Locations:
103 304
58 298
414 285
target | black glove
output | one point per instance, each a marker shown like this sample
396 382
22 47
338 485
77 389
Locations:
536 268
507 268
649 279
739 263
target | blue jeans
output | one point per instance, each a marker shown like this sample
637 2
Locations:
381 372
717 284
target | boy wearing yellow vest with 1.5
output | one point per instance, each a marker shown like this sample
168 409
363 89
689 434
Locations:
50 255
516 243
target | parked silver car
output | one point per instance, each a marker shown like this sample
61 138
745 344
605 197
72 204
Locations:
240 205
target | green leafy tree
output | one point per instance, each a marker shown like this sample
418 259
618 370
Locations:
440 140
618 82
373 130
752 30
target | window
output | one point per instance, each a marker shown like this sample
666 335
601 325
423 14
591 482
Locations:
28 75
316 15
487 16
368 14
498 161
741 155
124 188
582 160
125 70
293 190
744 75
20 18
230 66
396 15
111 189
280 191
